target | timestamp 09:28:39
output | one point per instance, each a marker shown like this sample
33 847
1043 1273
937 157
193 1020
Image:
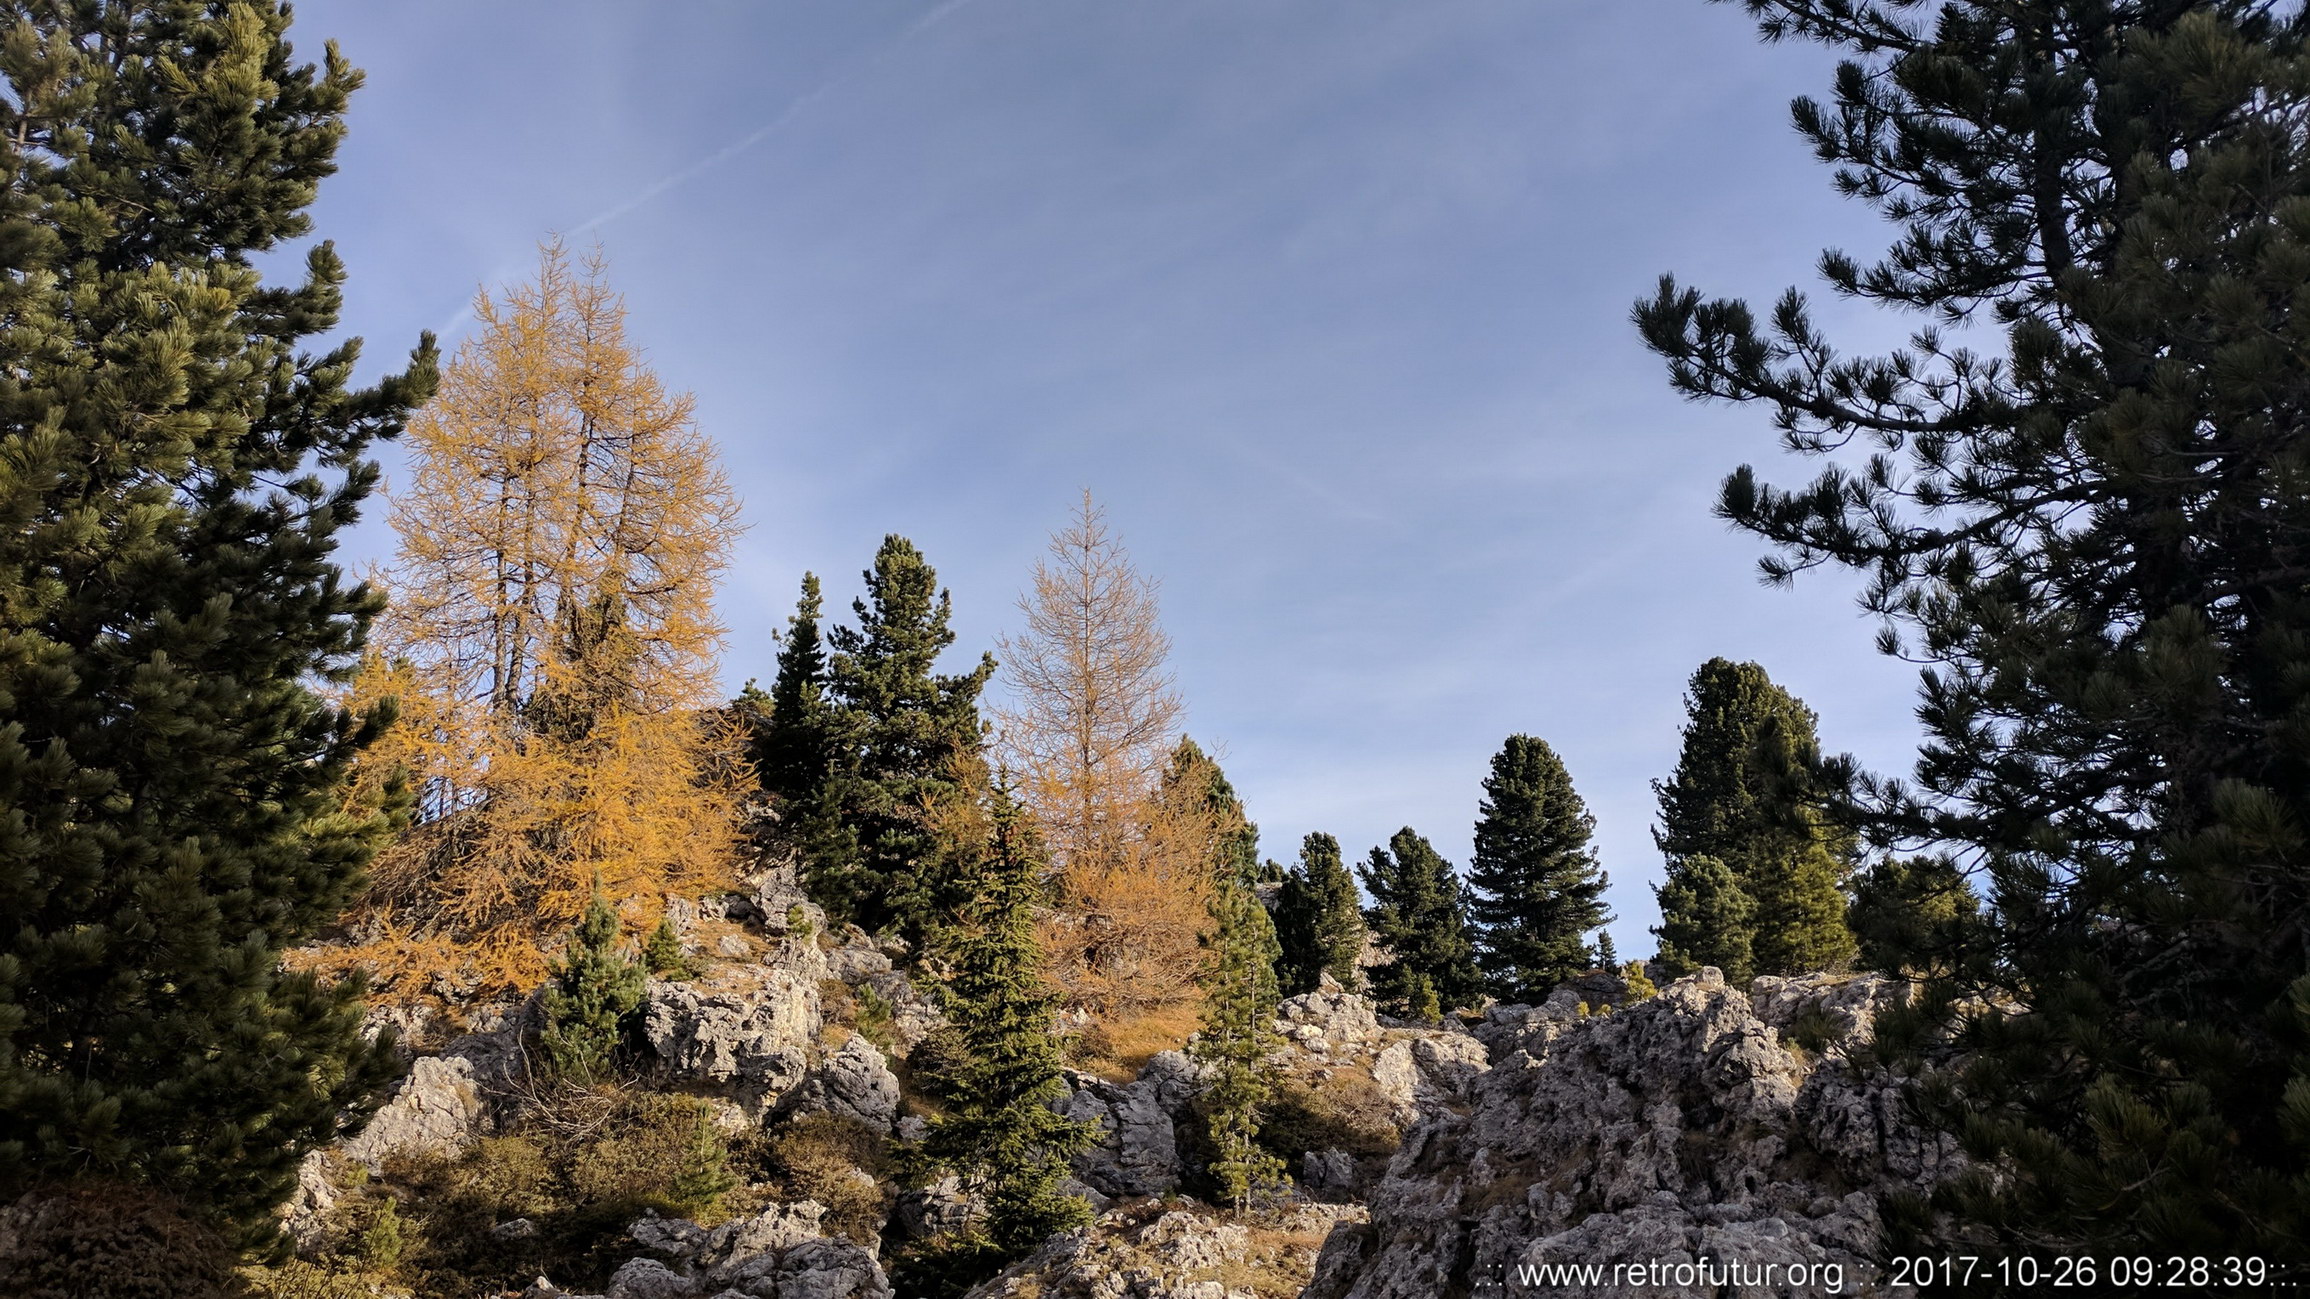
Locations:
2084 1272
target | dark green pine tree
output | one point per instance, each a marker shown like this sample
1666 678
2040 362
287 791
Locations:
999 1131
902 732
1741 794
593 993
1534 886
174 471
2091 525
1914 914
796 741
1237 1034
1706 918
1319 921
1419 912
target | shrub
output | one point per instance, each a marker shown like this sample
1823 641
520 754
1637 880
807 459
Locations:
1343 1112
298 1279
584 1164
382 1241
662 953
593 991
1639 985
945 1267
105 1241
840 1164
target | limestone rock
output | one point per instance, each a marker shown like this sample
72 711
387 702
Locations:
745 1250
1138 1150
748 1027
437 1109
1669 1129
855 964
913 1016
1334 1019
671 1237
855 1083
1145 1251
942 1206
828 1269
647 1278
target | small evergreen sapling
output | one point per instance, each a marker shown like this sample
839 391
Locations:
662 953
594 991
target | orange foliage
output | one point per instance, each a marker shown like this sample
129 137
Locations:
1088 722
551 639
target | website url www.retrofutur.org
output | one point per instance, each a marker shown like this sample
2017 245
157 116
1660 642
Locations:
1708 1275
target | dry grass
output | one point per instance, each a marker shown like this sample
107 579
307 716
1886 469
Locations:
1119 1047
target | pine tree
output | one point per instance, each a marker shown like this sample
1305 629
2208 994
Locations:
1706 918
2091 531
1912 914
796 740
902 733
1000 1132
1740 795
1535 888
593 993
1319 922
1419 912
1605 955
795 744
175 474
1238 1033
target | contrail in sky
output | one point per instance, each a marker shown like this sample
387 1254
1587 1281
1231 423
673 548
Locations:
832 82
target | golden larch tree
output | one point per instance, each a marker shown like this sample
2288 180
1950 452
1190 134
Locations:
1086 727
552 641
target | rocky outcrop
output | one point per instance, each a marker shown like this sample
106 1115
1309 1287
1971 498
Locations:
778 1253
1327 1022
854 1083
1151 1251
913 1016
442 1104
1138 1149
1434 1068
1670 1130
745 1027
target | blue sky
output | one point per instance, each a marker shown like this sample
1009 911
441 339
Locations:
1325 301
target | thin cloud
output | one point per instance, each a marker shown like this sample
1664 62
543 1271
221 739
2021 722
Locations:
831 82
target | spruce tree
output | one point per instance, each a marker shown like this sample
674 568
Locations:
1706 918
593 993
174 471
1419 911
1237 1034
2089 524
902 732
796 741
1740 794
1534 885
1319 922
999 1131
